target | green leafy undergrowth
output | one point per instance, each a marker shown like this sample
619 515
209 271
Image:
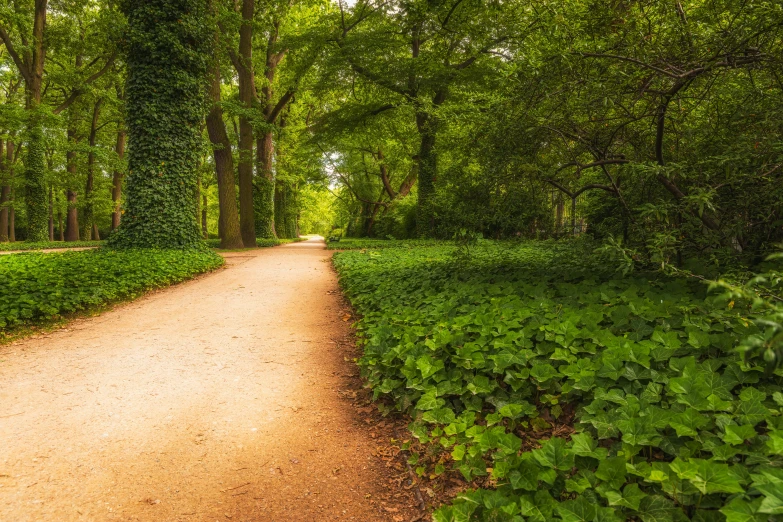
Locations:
363 243
575 394
37 287
261 242
47 245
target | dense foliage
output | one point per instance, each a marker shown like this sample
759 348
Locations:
37 287
584 396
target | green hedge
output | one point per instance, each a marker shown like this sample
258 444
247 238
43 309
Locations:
47 245
579 395
36 287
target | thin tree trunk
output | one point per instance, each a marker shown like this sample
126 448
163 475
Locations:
204 215
5 192
12 220
90 229
60 229
265 186
116 187
51 213
246 95
228 220
72 211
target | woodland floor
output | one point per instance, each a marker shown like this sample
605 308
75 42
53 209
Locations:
229 397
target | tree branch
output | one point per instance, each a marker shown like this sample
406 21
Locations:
15 56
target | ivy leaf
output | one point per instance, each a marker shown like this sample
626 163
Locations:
707 476
612 471
554 454
688 422
579 510
429 401
584 446
741 510
735 435
630 498
439 416
656 508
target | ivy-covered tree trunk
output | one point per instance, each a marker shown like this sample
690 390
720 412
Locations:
265 188
168 45
35 159
35 176
286 210
427 125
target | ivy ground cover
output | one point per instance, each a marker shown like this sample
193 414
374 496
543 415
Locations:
47 245
36 287
658 418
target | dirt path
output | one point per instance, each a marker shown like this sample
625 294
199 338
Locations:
218 399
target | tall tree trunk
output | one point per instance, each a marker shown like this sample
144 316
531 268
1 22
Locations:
246 95
35 163
204 215
5 191
60 229
12 220
265 181
167 46
427 125
72 217
88 221
71 196
228 220
265 187
51 212
116 186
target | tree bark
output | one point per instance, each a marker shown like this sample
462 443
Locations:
246 95
12 220
60 229
51 213
88 221
228 220
204 215
5 191
427 125
116 186
35 175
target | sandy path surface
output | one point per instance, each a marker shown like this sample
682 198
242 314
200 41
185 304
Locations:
218 399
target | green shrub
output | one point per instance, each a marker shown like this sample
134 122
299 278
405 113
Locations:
584 396
36 287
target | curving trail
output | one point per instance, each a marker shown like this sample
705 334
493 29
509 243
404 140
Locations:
217 399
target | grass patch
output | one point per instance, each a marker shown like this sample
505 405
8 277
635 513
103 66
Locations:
39 288
567 392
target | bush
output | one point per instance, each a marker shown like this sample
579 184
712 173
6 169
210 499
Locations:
38 287
577 394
